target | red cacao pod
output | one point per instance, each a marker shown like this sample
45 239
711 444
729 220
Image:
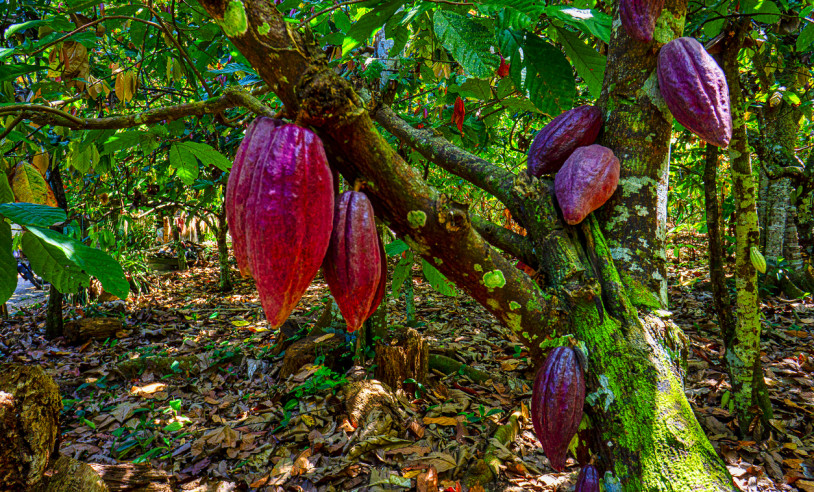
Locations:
588 480
639 18
253 148
586 181
352 265
380 289
557 399
557 140
694 89
288 217
503 69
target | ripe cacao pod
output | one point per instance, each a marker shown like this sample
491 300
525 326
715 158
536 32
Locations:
586 181
639 18
557 140
251 151
588 480
353 265
694 89
758 261
557 399
288 214
380 290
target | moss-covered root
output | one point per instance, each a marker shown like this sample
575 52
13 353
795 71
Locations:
485 470
450 366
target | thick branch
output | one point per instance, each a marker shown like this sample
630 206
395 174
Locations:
503 238
46 115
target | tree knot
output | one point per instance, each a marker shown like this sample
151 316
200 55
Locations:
454 216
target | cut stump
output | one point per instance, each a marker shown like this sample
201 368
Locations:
70 475
401 354
29 425
305 351
82 330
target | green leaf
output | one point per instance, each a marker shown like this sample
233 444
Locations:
368 24
11 71
806 37
184 162
396 247
173 426
15 28
468 41
128 139
437 280
476 88
90 260
539 70
590 21
8 264
6 195
207 155
770 14
590 65
32 214
400 273
52 265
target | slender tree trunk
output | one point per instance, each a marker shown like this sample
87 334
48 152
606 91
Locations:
743 348
763 191
53 316
777 204
223 252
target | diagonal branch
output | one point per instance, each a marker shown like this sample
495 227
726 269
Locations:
503 238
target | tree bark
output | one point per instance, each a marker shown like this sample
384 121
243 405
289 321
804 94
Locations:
223 252
53 316
743 346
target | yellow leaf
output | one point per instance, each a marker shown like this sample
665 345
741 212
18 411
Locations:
40 161
130 89
239 322
29 186
440 420
120 85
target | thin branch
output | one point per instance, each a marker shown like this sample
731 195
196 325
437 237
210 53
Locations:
91 24
8 129
505 239
324 11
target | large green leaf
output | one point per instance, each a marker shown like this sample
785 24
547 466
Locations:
6 195
590 65
184 162
8 265
32 214
90 260
401 272
11 71
539 70
590 21
53 265
368 24
437 280
806 37
207 155
468 41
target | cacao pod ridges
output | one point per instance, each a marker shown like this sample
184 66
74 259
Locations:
557 401
588 480
757 259
586 181
556 142
288 218
694 88
639 18
353 263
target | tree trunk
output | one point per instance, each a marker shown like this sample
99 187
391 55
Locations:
53 317
646 433
223 252
401 354
743 345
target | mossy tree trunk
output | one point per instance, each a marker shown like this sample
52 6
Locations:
223 252
743 345
645 431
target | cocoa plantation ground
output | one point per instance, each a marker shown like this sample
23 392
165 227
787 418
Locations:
192 387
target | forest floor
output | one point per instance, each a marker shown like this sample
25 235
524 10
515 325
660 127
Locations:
190 385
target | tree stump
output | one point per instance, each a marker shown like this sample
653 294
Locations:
133 478
401 354
29 425
305 351
82 330
70 475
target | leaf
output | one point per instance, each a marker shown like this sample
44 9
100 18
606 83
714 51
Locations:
207 155
401 272
468 41
806 37
6 195
477 88
184 162
590 65
368 24
29 186
10 71
127 139
32 214
590 21
437 280
396 247
40 162
458 114
8 264
93 261
539 70
120 85
52 265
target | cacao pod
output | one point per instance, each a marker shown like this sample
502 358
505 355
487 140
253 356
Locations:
694 89
352 265
380 290
586 181
251 150
588 480
557 140
758 261
557 399
288 214
639 18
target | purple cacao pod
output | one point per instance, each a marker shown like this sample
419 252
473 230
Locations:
557 140
287 218
639 18
377 299
586 181
694 88
557 399
353 265
253 148
588 480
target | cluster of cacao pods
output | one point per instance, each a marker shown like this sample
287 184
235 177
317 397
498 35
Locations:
557 400
587 174
285 224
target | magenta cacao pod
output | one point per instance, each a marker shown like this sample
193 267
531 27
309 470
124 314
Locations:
639 18
253 148
377 299
586 181
561 136
694 89
287 218
557 399
588 480
353 265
